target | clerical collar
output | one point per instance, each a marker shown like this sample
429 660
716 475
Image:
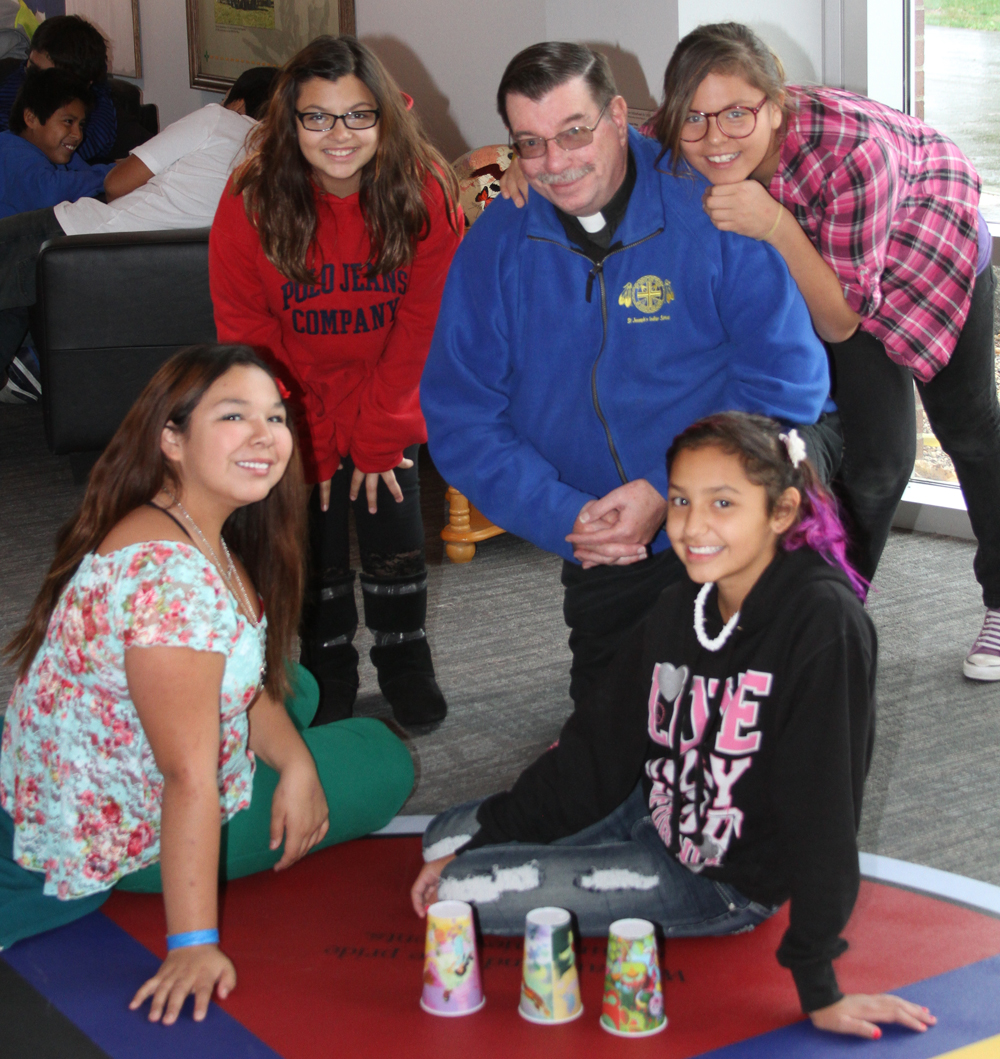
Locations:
593 239
592 224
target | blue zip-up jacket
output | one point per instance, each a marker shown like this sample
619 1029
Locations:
29 181
552 381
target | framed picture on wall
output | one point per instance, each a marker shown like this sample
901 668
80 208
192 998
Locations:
226 37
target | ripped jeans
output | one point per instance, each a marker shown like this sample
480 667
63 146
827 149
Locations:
615 868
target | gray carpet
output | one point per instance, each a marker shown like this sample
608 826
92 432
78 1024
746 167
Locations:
499 644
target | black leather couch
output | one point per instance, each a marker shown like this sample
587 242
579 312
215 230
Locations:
110 310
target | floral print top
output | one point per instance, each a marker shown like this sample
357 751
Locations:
77 774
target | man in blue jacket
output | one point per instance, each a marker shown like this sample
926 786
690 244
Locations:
579 335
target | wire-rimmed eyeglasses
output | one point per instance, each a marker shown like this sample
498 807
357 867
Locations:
568 139
735 122
320 121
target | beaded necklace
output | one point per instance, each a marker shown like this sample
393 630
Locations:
699 621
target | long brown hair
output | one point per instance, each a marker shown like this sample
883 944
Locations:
276 180
721 47
267 535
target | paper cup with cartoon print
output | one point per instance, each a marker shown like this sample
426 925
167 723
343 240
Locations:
550 987
452 984
633 995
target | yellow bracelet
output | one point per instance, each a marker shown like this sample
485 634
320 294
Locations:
774 227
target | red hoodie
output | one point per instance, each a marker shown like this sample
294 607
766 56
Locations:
350 349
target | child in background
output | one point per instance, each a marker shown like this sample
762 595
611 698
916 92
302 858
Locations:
73 44
39 165
722 763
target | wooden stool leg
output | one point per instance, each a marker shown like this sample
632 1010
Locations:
460 553
458 522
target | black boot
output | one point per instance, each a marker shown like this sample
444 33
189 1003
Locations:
336 672
395 612
406 677
329 622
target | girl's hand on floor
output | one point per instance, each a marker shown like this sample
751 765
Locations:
371 484
298 811
513 184
746 208
197 969
425 890
858 1014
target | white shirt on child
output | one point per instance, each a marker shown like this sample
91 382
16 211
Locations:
190 160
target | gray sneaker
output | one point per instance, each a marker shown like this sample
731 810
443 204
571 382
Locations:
983 661
23 385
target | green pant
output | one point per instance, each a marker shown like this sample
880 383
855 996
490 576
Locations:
366 774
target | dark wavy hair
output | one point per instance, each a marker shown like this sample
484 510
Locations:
268 535
74 44
721 47
43 92
756 441
254 87
276 180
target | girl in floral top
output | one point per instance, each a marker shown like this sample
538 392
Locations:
151 683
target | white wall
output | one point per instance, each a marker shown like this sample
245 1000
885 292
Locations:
449 54
793 29
453 75
165 79
873 49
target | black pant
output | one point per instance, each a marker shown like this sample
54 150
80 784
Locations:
391 547
603 605
875 398
21 237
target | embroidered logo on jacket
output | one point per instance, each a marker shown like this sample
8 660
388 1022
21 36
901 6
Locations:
691 800
648 294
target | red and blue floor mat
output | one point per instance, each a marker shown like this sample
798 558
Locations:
329 956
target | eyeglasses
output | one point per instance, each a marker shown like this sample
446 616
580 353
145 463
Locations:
318 121
569 139
735 122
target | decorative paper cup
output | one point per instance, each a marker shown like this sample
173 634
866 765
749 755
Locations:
452 985
633 996
550 988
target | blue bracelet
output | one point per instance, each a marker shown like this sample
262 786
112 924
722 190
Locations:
192 937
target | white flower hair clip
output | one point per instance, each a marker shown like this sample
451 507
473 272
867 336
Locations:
795 445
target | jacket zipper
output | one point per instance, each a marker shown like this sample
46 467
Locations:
597 270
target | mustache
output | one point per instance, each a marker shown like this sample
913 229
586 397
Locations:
567 176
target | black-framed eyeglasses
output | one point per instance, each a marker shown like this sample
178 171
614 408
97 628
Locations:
735 122
319 121
568 139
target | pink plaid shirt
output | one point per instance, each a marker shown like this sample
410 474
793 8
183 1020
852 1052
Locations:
891 206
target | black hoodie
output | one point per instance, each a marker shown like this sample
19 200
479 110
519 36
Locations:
770 738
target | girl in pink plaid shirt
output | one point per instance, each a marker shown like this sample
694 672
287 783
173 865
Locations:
876 216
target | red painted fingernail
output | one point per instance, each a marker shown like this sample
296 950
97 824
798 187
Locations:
876 1034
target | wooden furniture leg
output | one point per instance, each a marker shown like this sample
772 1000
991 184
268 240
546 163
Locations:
466 527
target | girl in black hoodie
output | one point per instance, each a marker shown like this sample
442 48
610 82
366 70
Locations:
719 769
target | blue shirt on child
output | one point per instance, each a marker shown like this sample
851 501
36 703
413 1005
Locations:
29 181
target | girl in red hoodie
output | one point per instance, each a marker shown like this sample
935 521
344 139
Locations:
329 253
